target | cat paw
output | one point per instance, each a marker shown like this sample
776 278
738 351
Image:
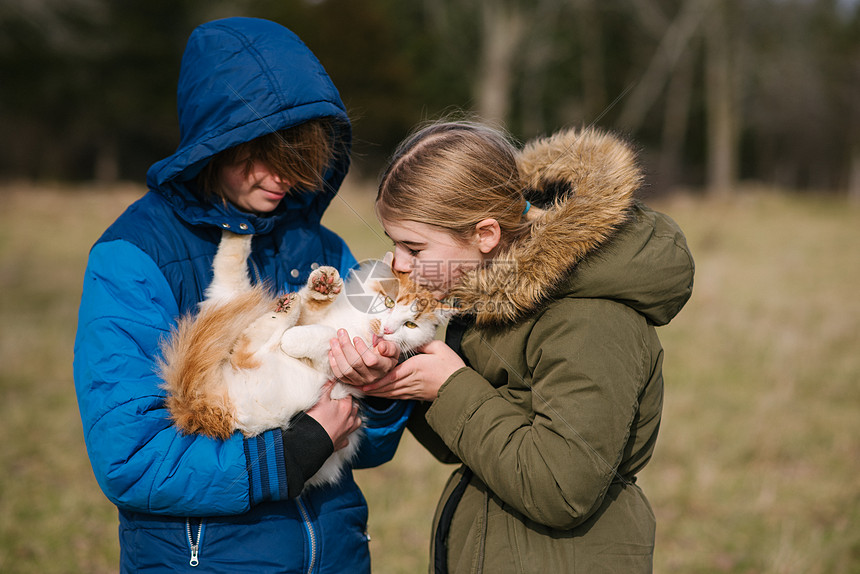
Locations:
325 283
285 304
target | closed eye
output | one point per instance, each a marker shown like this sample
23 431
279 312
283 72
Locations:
412 251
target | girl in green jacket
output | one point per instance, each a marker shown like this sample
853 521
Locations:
549 386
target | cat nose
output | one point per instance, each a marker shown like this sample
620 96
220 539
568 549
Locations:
387 331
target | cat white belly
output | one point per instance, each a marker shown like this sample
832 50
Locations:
270 396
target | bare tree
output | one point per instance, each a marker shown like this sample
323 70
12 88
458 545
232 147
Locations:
721 101
674 43
676 118
538 52
503 25
675 58
593 62
854 177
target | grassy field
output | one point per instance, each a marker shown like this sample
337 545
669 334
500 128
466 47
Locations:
756 470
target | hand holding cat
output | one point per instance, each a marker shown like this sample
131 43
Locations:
339 417
357 364
419 377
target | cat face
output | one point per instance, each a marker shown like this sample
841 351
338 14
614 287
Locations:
408 315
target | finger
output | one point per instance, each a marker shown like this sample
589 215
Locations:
352 357
389 392
335 368
433 346
385 389
376 387
338 361
399 372
387 349
427 347
367 356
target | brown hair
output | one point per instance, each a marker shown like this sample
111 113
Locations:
453 175
298 154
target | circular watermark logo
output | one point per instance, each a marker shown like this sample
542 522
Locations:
371 286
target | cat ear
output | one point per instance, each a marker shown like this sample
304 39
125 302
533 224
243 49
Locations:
388 258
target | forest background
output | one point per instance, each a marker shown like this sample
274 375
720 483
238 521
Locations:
715 91
747 117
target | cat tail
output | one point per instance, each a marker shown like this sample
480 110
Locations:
229 269
194 358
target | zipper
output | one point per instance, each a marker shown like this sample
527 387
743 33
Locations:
194 544
311 534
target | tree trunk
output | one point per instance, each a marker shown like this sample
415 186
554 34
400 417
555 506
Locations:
593 81
106 168
503 27
674 43
537 52
854 177
721 102
679 97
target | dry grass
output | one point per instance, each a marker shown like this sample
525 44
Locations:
755 472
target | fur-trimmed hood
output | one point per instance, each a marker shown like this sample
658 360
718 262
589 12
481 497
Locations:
594 240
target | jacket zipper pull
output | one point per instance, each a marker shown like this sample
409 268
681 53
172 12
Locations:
192 544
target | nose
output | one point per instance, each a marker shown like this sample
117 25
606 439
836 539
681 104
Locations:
402 261
387 331
279 179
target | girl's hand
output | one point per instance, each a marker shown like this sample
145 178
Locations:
418 377
339 417
354 363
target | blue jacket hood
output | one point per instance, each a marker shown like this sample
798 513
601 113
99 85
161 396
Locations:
242 78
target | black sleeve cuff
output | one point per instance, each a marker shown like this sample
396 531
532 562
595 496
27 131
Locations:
306 447
378 404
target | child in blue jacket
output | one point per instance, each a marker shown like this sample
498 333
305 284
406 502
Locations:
264 149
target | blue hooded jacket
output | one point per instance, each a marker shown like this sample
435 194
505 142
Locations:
225 502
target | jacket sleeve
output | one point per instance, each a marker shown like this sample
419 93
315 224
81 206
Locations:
428 438
555 461
139 459
383 428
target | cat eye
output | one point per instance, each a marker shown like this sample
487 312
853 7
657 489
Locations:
389 302
410 324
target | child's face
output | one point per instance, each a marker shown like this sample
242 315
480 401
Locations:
434 257
258 190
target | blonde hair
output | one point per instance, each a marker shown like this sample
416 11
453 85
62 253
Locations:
453 175
298 154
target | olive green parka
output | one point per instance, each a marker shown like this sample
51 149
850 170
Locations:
560 404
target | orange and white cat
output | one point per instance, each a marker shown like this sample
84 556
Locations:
250 360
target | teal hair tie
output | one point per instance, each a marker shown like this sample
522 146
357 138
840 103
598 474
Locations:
528 206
